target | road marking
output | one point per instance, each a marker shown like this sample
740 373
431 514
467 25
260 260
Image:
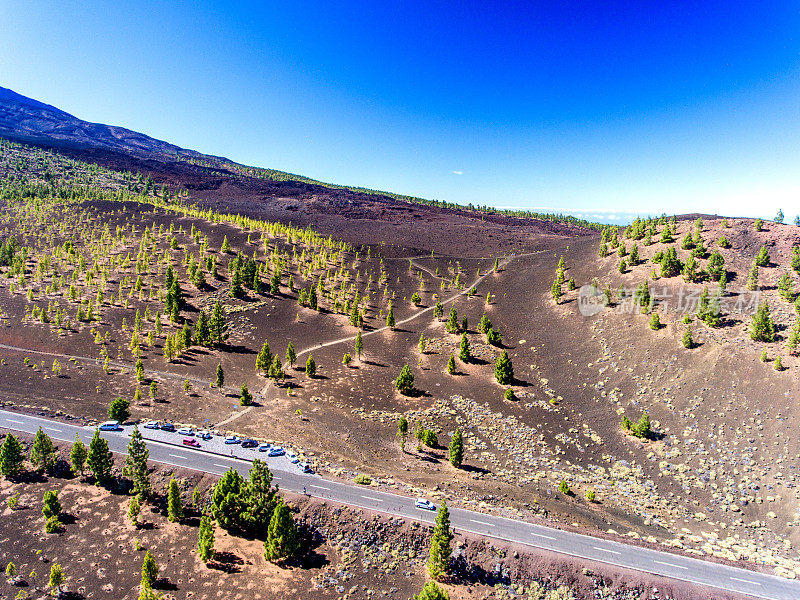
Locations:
606 550
180 456
319 487
547 537
53 429
482 523
666 564
745 581
371 498
221 466
13 421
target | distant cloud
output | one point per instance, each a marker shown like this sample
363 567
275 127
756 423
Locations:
457 172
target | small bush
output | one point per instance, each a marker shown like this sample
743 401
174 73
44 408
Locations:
362 479
590 495
510 395
53 525
563 487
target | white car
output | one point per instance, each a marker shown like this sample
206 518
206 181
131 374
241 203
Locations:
204 434
110 426
185 431
151 425
424 504
305 467
292 458
232 439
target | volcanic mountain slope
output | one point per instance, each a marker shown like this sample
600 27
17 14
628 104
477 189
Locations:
353 214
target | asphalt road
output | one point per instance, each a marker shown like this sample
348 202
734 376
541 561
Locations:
216 457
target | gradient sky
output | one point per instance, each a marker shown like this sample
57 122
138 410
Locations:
595 107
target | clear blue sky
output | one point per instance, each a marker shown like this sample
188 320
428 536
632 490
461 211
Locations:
681 106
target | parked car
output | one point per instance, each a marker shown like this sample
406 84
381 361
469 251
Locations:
277 451
185 431
264 447
191 442
167 427
110 426
248 443
424 504
304 467
232 439
292 458
204 434
152 425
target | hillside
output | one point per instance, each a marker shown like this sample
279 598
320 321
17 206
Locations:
95 241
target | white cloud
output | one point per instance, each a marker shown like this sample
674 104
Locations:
457 172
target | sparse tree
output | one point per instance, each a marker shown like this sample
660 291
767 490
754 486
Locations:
402 432
99 459
11 457
405 381
464 350
688 340
136 464
57 577
174 505
149 571
439 557
205 539
245 397
282 537
451 365
431 591
503 369
291 355
311 367
762 328
134 510
119 409
43 453
77 455
220 381
359 345
456 449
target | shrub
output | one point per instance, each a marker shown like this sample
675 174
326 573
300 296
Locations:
362 479
510 395
563 487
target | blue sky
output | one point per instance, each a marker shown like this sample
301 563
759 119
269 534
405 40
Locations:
594 107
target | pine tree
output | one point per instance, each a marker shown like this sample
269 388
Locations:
276 369
99 459
11 457
762 328
439 558
752 278
670 265
503 369
56 577
452 321
264 358
451 365
405 381
51 507
555 291
77 455
291 355
202 330
228 503
282 536
402 432
236 291
464 351
43 453
762 258
390 322
220 380
174 505
218 326
245 397
311 367
134 509
136 464
796 259
655 321
438 310
688 340
205 539
226 246
119 409
359 344
691 270
456 449
431 591
786 287
149 571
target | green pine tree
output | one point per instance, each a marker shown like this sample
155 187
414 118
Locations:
136 464
43 453
503 369
456 449
405 381
439 558
464 351
77 455
174 505
762 328
99 459
149 571
283 540
205 539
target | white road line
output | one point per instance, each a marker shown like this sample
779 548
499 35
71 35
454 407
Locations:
547 537
606 550
371 498
54 429
180 456
13 421
221 466
482 523
666 564
745 581
319 487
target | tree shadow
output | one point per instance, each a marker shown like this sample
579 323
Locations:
239 349
475 469
227 562
373 363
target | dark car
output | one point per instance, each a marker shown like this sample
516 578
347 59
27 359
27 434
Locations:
249 443
167 427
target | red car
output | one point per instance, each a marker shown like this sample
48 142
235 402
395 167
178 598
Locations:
191 442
